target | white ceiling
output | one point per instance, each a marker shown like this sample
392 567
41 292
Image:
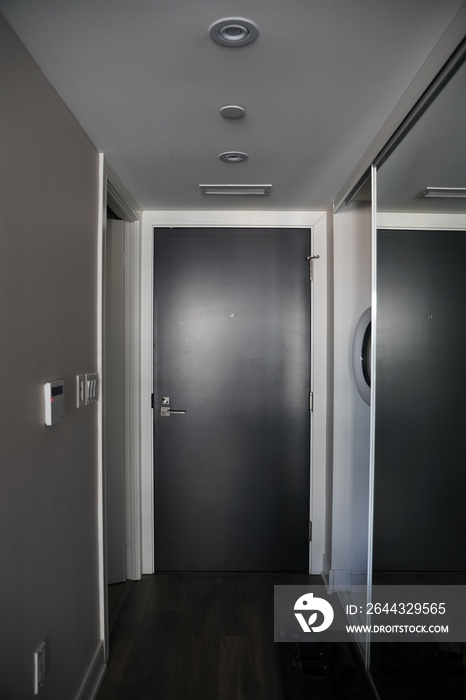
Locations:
146 83
433 154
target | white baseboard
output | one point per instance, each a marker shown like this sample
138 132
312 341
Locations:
94 676
325 569
339 579
344 579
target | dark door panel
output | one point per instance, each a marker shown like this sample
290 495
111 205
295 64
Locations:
232 344
420 458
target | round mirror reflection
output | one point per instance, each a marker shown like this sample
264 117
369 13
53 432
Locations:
362 356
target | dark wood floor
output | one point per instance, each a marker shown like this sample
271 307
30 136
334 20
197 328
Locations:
197 637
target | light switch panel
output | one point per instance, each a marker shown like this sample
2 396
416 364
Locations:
91 387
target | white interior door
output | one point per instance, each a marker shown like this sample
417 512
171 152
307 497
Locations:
115 400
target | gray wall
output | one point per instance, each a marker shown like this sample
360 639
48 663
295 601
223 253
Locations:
48 475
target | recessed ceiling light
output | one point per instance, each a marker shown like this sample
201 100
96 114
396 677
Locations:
443 192
263 190
233 31
233 157
232 111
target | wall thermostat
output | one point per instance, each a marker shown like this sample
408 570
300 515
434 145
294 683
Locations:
54 395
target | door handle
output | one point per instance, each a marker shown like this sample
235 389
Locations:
166 412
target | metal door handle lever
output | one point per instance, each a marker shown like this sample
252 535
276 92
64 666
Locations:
166 411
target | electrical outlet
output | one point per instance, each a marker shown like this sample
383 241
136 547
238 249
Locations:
39 668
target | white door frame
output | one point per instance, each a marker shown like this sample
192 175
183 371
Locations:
114 194
316 222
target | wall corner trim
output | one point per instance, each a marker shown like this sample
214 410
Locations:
119 199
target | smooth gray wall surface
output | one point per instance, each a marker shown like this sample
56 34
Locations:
48 475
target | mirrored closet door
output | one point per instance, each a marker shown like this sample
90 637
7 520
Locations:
419 413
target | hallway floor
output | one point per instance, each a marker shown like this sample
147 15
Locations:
197 637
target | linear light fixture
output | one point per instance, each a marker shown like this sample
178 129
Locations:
261 190
443 193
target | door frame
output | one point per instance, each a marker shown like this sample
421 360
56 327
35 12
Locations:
316 222
114 194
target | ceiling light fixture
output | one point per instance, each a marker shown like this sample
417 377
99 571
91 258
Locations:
233 31
233 157
443 193
232 111
261 190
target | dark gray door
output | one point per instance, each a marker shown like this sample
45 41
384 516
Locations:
420 456
232 350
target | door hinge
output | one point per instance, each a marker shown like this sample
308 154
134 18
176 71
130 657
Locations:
152 400
311 259
310 531
311 401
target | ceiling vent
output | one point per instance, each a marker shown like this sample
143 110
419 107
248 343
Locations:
443 193
258 190
233 31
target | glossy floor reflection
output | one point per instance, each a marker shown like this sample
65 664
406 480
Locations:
419 671
197 637
323 672
416 671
